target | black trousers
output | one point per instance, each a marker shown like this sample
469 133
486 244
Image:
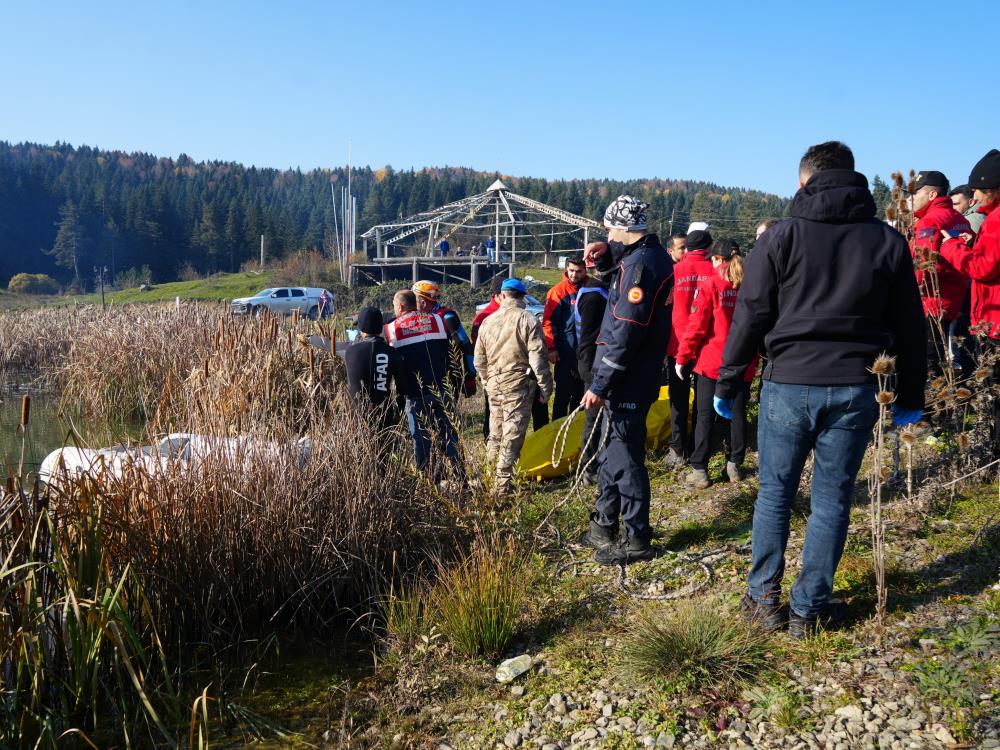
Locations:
705 439
569 387
592 444
681 439
622 475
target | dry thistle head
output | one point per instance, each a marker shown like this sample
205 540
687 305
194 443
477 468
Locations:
885 397
890 213
897 179
939 382
963 441
908 436
963 393
982 373
884 365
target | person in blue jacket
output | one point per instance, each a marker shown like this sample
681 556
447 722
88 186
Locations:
626 377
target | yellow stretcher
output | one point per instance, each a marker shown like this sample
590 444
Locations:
536 454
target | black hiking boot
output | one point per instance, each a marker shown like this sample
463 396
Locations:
598 537
625 552
800 627
767 616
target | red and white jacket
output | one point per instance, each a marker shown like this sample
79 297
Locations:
693 268
982 264
422 342
936 217
708 326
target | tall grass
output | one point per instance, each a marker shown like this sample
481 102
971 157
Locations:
477 600
80 652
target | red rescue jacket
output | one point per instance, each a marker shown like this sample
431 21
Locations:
708 326
693 268
937 216
982 264
558 323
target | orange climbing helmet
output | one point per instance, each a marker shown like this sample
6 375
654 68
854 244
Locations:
428 290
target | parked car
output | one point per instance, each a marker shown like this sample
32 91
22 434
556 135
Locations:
283 300
531 304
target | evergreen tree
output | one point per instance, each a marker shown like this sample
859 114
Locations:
68 247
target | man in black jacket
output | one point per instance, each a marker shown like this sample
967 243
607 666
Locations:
626 377
825 293
373 371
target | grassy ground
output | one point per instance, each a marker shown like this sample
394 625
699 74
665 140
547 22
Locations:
219 287
941 576
225 286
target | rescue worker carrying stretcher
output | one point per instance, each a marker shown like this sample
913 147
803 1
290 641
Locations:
626 377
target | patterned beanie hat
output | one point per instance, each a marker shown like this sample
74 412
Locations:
628 213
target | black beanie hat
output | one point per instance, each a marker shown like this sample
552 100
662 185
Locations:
370 321
724 249
986 174
699 239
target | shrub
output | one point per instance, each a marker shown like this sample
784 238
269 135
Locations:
694 643
133 277
33 283
477 600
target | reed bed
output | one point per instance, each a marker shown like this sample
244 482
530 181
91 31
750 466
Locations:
81 660
36 342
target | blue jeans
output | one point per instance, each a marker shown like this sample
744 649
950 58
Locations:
835 423
423 417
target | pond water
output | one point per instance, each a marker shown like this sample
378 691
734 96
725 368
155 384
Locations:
48 429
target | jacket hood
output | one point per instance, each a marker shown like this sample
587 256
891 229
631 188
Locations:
511 302
835 196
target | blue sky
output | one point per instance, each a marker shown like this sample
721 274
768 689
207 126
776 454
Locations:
724 91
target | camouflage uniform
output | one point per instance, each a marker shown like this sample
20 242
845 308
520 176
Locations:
510 348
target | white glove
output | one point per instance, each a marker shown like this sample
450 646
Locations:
679 369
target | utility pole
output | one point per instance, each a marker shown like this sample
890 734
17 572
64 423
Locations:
262 252
99 273
673 214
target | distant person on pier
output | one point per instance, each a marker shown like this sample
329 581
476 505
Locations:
444 247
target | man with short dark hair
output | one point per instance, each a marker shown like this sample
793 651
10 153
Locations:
964 201
559 327
677 246
825 293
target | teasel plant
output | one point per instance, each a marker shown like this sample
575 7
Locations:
884 368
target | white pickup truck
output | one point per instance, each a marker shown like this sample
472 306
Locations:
282 300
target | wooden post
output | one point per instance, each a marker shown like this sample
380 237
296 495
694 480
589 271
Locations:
415 279
262 251
473 273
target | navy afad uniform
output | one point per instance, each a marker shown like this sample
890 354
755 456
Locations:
626 373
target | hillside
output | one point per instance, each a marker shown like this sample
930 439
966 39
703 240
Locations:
67 210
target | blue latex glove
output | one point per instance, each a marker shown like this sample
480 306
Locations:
723 407
903 417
